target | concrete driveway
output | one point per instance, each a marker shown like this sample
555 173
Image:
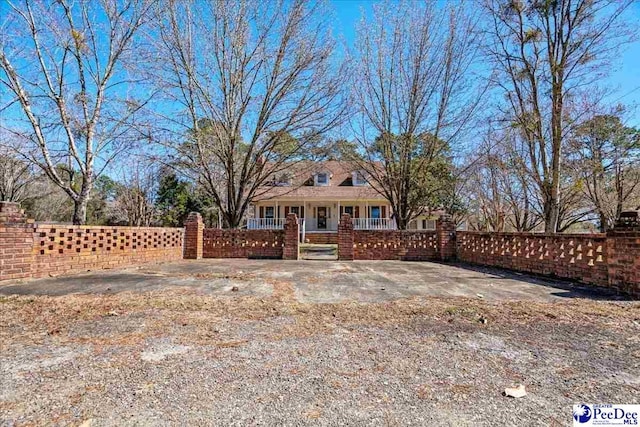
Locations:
314 281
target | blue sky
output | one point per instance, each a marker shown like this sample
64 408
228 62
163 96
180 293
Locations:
624 80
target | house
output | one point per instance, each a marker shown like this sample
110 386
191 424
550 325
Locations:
319 193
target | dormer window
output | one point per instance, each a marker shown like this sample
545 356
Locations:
358 179
282 180
322 178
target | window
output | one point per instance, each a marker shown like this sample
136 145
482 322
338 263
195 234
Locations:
322 179
282 180
375 211
348 210
358 179
295 210
268 212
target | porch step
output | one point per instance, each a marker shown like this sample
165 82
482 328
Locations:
322 238
319 252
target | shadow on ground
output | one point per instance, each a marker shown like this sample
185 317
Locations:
557 287
317 282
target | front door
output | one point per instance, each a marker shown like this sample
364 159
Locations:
322 218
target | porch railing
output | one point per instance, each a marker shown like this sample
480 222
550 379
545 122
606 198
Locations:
265 223
374 224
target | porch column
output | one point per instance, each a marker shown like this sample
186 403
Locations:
366 214
304 221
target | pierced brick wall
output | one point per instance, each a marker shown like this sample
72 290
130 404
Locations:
39 250
231 243
404 245
60 249
611 259
581 257
407 245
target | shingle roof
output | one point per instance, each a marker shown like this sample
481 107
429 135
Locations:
340 186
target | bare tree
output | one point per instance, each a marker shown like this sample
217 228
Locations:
500 185
134 201
254 88
63 68
16 175
414 92
605 158
544 53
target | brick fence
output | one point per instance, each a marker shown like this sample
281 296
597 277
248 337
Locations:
573 256
610 260
28 249
203 242
404 245
36 250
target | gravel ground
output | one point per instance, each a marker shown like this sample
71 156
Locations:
184 357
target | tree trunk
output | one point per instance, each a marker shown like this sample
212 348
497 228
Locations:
551 208
232 219
80 211
552 213
603 222
401 223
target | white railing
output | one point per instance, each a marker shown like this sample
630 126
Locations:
374 224
265 223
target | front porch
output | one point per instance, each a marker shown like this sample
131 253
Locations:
322 216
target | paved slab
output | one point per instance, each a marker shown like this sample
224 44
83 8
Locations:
314 281
318 252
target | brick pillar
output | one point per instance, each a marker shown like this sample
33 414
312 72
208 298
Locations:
345 238
291 237
16 242
193 228
623 254
446 235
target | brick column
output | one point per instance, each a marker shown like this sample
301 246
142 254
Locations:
16 242
623 254
193 228
291 237
345 238
446 236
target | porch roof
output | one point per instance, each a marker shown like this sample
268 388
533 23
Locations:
311 193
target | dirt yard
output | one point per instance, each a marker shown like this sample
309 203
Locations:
184 356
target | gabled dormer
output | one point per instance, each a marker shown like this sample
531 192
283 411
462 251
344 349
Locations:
358 179
322 178
282 179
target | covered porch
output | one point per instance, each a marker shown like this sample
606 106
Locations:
322 216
